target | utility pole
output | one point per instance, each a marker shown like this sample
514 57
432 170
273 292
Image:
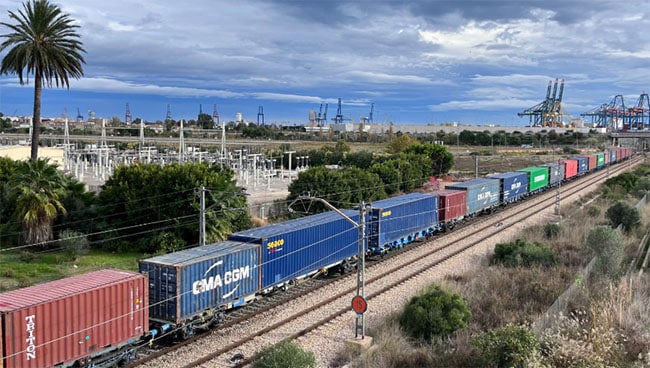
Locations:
202 217
557 195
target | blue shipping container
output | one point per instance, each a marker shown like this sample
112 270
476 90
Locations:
555 173
482 193
583 164
184 284
512 185
296 248
396 221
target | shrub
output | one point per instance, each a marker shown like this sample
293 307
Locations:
521 253
509 346
284 354
73 243
552 230
623 214
435 312
593 211
607 245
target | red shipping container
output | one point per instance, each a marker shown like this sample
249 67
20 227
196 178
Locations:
451 204
606 153
592 162
66 320
570 168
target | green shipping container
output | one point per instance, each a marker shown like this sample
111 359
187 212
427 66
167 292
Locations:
600 161
537 177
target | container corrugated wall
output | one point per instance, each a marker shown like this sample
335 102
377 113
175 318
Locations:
184 284
555 173
399 218
298 247
452 204
482 193
583 164
570 168
69 319
612 155
537 177
591 162
600 159
513 185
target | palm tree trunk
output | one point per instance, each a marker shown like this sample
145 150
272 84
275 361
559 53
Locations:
36 120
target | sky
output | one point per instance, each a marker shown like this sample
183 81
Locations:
417 62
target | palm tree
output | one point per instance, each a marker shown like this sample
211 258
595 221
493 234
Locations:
39 189
43 43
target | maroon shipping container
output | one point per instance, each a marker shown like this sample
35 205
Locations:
592 162
66 320
570 169
451 204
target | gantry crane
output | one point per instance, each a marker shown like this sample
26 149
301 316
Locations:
547 113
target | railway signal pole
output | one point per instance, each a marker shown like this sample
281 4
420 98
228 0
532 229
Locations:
359 303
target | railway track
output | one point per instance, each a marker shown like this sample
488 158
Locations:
316 306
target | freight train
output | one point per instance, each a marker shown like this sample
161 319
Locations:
99 319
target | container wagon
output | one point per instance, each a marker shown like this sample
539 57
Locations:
555 173
75 320
482 194
600 160
537 178
297 248
190 289
452 208
606 157
570 169
612 156
583 165
395 222
591 162
512 186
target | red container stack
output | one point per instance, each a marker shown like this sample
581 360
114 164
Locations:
66 320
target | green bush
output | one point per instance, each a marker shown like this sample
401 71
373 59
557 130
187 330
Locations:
552 230
286 354
509 346
435 312
623 214
523 254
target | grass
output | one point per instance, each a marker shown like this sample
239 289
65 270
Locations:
25 269
613 332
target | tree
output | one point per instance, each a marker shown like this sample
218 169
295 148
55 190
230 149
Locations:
38 190
435 312
44 43
139 202
339 187
205 121
399 144
441 159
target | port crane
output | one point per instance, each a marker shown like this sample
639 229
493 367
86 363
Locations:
547 113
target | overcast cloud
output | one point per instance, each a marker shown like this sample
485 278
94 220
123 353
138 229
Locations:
475 61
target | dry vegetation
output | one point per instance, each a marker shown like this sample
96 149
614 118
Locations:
606 324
